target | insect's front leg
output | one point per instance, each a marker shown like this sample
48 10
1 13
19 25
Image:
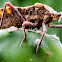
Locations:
44 31
27 23
54 26
11 6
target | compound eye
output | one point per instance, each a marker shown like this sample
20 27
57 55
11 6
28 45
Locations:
52 13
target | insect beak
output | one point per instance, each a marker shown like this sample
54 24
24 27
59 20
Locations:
60 14
60 19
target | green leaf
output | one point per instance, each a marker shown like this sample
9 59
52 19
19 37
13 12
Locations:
10 50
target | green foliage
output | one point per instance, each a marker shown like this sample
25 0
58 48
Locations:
10 50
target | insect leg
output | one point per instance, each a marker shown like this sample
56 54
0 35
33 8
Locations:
24 36
36 31
54 26
12 28
26 23
11 6
44 31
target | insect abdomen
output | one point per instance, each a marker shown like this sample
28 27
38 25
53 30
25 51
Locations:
11 18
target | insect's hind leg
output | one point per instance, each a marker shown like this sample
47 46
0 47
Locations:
44 31
11 6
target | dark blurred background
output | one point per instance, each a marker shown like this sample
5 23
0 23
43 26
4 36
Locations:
55 4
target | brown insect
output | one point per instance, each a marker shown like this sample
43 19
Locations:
35 16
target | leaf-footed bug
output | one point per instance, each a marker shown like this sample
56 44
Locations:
30 17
